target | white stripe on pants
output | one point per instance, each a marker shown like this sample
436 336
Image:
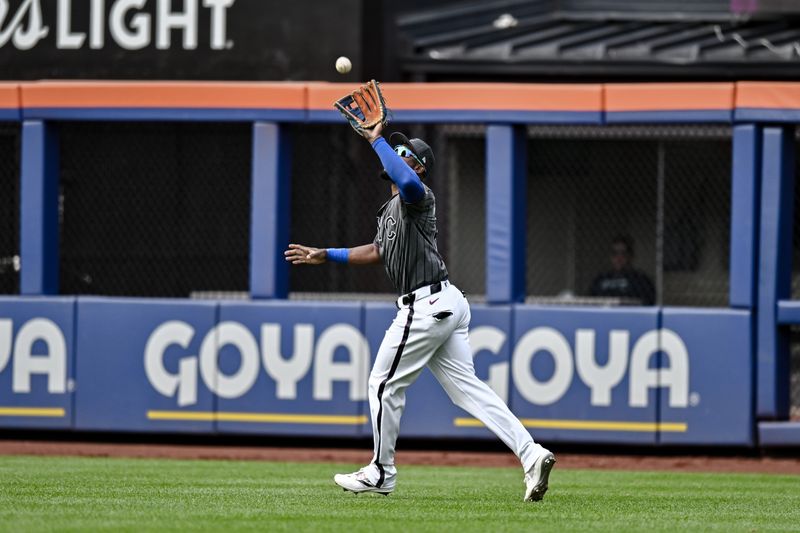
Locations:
443 345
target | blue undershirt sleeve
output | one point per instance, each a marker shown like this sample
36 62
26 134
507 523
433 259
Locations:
407 181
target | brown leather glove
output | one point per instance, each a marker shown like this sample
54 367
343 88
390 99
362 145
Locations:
365 107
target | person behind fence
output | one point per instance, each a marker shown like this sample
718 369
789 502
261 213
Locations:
431 326
623 280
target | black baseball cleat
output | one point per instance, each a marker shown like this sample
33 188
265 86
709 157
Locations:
536 478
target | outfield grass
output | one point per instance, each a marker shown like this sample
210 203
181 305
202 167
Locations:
62 493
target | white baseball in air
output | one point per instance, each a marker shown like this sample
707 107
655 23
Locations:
343 65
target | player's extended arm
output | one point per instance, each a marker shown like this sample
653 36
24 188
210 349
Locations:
298 254
407 181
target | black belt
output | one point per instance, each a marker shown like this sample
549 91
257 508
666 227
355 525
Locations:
407 299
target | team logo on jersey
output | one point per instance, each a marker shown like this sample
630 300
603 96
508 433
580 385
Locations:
391 224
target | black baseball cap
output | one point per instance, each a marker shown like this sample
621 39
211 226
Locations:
419 147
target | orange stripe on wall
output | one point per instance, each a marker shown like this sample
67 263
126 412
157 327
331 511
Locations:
9 95
165 94
470 96
668 96
768 95
420 96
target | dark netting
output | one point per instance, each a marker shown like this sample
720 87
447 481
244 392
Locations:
794 339
653 201
795 329
9 208
796 225
465 209
336 192
154 209
697 212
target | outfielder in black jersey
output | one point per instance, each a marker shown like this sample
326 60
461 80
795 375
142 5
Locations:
431 326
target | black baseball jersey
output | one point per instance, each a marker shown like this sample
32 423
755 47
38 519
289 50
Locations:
626 283
407 242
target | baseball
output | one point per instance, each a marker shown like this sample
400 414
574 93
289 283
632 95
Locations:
343 65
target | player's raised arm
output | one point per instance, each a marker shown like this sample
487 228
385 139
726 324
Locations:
408 182
298 254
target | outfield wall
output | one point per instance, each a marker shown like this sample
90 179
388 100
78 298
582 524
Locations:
634 375
657 375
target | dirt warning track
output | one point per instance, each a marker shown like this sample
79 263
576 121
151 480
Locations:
773 465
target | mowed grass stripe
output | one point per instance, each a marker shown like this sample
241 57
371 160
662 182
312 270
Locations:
89 494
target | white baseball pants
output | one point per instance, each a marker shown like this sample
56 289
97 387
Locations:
423 333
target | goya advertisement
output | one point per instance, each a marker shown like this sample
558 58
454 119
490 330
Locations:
626 375
37 366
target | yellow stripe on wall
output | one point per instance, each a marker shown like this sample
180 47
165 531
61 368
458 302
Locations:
587 425
264 418
52 412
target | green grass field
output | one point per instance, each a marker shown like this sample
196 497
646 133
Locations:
90 494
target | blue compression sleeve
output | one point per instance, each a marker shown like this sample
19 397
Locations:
411 188
338 255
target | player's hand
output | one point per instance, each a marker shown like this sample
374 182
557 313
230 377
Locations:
297 254
373 134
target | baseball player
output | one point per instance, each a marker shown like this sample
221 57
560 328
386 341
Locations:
431 326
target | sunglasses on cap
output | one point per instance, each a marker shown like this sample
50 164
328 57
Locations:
405 151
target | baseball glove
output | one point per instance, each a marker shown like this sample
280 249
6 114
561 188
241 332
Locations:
365 107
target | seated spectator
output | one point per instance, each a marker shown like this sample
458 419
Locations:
624 281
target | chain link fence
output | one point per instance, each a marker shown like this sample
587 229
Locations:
794 344
9 208
663 191
629 214
336 192
154 209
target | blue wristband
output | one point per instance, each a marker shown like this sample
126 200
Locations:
338 255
